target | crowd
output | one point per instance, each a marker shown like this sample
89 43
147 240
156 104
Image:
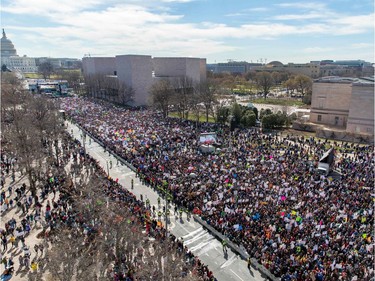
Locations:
260 190
54 208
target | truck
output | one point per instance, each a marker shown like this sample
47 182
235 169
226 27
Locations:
326 162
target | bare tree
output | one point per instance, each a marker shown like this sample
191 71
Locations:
207 95
29 126
46 69
184 89
125 93
264 82
108 88
162 94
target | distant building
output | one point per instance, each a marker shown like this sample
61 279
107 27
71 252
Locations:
12 61
140 72
314 69
233 67
346 68
309 69
344 103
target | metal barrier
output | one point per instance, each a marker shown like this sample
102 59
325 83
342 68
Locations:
130 166
237 249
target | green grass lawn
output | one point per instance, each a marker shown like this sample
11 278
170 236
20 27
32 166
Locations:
193 117
32 75
283 102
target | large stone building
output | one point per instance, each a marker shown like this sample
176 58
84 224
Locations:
11 60
140 72
346 104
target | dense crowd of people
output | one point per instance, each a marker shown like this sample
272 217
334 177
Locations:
260 190
54 209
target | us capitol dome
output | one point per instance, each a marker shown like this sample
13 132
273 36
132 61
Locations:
7 47
12 61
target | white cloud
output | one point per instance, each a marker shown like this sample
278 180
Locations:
353 24
121 28
305 16
362 45
258 9
304 5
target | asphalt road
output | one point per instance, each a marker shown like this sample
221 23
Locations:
204 245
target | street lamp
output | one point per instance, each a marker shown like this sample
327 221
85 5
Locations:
166 213
107 168
84 142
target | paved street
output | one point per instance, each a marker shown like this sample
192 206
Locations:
198 240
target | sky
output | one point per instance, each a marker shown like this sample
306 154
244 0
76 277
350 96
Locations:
218 30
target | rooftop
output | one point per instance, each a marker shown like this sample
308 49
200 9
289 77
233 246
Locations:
338 79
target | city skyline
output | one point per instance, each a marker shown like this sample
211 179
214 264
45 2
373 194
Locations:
287 31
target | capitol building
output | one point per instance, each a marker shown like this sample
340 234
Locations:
12 61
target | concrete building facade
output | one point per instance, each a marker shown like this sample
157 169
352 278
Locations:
344 103
361 109
99 65
135 72
140 72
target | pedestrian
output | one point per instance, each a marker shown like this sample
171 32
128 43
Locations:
249 263
20 261
41 248
4 242
224 243
12 239
36 248
34 265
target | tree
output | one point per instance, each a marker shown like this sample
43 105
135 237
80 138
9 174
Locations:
290 85
248 119
4 68
273 121
236 111
303 84
264 112
264 82
207 91
161 96
125 93
29 126
184 90
74 78
46 69
222 113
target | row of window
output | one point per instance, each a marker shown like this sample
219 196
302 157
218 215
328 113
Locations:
336 119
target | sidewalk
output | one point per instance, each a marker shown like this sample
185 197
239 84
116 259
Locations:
22 273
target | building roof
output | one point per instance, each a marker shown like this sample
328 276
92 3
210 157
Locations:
275 63
349 80
7 47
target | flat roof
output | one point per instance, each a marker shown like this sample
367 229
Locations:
348 80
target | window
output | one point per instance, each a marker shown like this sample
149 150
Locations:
321 102
319 118
336 120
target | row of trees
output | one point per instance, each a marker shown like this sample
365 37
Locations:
184 96
30 128
264 81
32 132
108 88
239 116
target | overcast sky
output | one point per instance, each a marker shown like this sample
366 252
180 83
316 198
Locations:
219 30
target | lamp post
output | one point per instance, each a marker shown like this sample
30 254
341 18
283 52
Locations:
107 168
166 213
84 142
